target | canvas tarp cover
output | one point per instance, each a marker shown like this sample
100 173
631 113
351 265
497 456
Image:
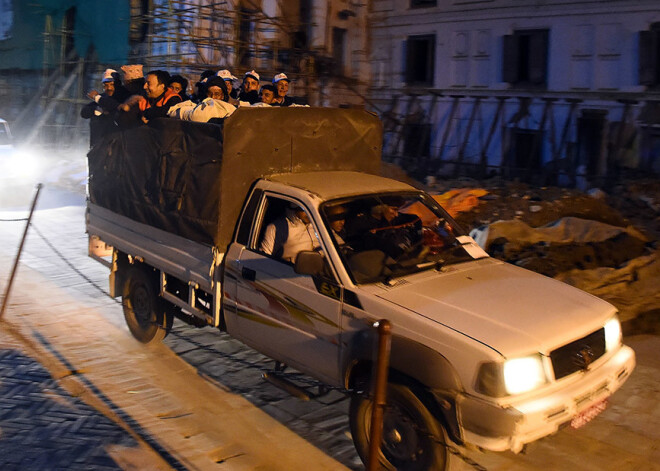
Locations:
191 179
163 175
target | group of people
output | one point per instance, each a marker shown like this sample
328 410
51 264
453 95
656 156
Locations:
139 98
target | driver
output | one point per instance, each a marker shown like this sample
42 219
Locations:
290 234
393 232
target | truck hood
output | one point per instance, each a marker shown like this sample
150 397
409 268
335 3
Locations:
510 309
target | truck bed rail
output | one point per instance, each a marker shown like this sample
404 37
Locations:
189 261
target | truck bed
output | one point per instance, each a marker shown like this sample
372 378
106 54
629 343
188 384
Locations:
177 256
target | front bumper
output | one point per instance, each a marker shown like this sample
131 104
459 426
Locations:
494 427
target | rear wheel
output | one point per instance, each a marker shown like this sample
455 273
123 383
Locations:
144 309
413 440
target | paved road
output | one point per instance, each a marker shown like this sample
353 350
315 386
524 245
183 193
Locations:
174 404
36 413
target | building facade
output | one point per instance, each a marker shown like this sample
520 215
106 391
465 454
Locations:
321 44
554 91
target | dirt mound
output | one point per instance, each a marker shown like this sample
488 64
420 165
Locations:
639 201
564 245
534 206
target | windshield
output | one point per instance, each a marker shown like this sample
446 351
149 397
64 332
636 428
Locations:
385 236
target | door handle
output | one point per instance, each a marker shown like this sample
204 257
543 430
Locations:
248 273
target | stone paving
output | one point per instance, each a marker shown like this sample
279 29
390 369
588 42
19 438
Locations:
198 401
37 414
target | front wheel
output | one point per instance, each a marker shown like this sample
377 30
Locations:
413 440
144 309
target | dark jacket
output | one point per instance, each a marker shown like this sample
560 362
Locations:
158 107
251 97
287 101
101 114
150 108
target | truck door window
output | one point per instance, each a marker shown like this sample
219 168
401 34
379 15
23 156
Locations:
243 234
286 229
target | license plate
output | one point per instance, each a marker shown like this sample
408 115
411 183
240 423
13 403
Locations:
589 414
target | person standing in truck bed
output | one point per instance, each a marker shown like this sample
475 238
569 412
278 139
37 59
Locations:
213 107
179 85
138 109
101 110
227 76
249 91
281 83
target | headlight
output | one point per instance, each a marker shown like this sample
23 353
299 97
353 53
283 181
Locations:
523 374
612 333
514 376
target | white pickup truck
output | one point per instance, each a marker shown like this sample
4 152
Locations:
483 353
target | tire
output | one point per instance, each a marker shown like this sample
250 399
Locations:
144 309
413 440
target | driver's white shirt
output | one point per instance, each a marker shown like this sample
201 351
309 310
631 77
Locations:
301 237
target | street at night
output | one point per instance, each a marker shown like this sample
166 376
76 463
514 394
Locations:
198 401
277 235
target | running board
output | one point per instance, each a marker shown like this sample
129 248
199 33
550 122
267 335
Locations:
286 386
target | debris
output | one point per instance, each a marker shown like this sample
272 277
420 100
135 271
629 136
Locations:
460 201
648 200
597 193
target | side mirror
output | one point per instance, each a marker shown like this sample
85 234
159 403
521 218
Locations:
309 262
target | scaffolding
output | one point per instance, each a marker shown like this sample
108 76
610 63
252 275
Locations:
190 36
185 37
51 116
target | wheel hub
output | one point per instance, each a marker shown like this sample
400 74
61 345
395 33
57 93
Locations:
394 437
141 306
400 438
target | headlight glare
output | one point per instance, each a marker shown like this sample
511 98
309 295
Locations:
612 333
23 164
523 374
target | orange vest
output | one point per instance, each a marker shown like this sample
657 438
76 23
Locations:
144 103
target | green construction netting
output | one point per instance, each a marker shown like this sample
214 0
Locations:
99 24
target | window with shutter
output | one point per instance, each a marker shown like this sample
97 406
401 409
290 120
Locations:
649 56
339 50
525 58
510 59
538 58
419 54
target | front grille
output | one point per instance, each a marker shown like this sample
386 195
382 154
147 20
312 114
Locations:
578 355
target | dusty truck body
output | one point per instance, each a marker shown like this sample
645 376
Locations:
483 353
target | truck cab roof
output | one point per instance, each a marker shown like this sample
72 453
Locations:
339 184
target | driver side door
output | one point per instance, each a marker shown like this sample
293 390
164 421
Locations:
291 317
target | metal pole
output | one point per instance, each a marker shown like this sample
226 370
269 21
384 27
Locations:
380 392
20 249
